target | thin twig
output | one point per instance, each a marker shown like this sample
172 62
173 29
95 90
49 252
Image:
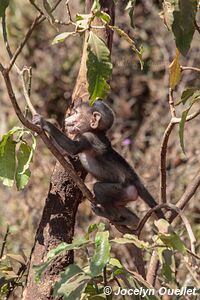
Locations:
190 69
193 276
190 117
193 254
53 8
36 7
5 37
4 241
2 68
197 26
153 268
69 12
171 103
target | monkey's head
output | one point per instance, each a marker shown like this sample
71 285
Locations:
84 117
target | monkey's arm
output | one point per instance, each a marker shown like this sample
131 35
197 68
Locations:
72 147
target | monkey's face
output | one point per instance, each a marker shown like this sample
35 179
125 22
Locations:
81 120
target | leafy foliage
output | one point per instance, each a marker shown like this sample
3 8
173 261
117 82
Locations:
72 284
99 67
15 163
180 16
88 281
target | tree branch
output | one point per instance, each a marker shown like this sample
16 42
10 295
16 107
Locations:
163 155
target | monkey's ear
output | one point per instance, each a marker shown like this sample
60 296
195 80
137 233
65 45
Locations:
94 122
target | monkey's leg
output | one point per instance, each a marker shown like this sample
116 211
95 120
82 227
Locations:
111 199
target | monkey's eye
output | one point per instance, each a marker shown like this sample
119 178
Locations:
74 111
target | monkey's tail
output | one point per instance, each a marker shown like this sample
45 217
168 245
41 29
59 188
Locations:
148 198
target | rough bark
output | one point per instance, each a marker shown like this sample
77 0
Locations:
58 218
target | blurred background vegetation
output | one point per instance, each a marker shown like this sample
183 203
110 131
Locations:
139 99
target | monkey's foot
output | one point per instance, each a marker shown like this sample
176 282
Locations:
102 212
119 216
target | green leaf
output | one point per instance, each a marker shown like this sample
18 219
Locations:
189 95
83 20
99 67
179 16
48 8
52 254
103 16
125 36
168 265
130 8
168 236
61 37
102 253
115 263
70 272
95 227
7 160
96 6
72 284
24 157
77 244
186 95
3 5
39 269
175 71
181 128
131 239
183 26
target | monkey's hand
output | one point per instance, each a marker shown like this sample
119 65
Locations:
37 119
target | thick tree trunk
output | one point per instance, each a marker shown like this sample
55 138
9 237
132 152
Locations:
58 219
